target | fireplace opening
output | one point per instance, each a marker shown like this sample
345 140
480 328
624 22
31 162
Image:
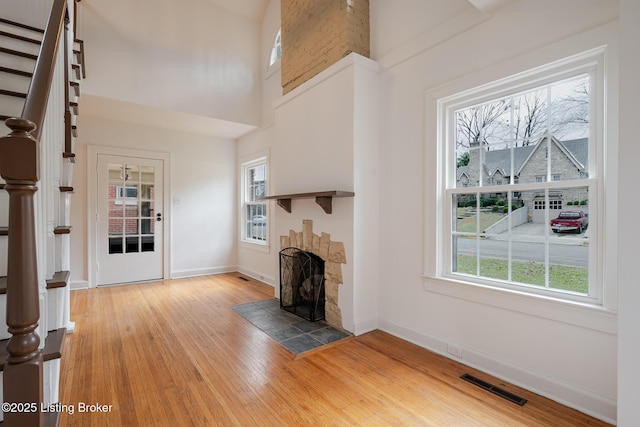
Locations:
302 283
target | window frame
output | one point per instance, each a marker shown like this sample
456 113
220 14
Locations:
251 163
591 63
274 66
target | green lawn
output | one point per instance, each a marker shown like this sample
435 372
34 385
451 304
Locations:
467 224
560 276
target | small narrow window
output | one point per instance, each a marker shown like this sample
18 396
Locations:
276 50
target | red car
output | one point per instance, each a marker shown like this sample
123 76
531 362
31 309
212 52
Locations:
576 221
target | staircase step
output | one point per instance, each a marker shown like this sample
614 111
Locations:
18 53
74 131
4 231
53 345
66 189
59 280
12 93
23 26
16 72
74 107
76 87
63 229
19 37
76 69
70 156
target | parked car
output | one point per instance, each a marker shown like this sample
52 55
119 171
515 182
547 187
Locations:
576 221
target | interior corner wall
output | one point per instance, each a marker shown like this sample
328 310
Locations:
203 195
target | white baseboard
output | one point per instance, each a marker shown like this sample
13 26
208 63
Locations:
555 389
181 274
71 327
269 280
363 327
79 284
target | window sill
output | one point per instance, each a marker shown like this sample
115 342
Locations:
255 246
578 314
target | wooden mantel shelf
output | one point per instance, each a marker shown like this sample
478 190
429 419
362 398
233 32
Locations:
323 198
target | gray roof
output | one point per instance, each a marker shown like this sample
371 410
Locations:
576 149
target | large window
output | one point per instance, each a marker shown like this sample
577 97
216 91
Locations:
254 210
520 154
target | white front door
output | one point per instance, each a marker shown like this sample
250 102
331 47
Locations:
129 219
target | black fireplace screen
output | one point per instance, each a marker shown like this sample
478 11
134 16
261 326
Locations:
302 283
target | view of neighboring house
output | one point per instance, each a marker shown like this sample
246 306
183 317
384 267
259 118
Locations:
529 164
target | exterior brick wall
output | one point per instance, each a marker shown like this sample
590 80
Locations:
318 33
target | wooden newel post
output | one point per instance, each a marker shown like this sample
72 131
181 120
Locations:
23 378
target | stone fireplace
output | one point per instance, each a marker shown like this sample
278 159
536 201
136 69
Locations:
333 254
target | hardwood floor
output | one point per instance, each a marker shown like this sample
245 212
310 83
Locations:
175 353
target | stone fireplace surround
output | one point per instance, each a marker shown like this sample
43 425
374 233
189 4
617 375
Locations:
333 254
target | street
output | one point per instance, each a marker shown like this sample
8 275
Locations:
559 253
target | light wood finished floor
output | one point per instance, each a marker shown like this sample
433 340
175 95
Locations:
174 353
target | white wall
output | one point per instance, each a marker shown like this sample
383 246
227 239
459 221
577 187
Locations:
271 85
201 59
570 361
30 12
629 319
317 144
203 194
565 353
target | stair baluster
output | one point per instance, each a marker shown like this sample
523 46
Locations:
23 377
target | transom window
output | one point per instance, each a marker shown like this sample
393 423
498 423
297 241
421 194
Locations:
538 131
276 50
254 210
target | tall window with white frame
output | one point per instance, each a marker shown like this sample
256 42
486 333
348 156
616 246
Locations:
254 210
522 182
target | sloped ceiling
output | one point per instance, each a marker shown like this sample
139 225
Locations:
199 59
252 9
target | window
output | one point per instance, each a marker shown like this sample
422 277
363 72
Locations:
254 210
276 50
540 129
129 194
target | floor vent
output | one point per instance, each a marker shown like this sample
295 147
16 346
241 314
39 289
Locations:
493 389
243 278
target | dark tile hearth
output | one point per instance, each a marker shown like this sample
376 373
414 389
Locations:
293 332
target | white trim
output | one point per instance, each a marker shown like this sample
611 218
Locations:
181 274
560 391
588 316
361 327
259 276
346 62
246 162
590 62
488 5
433 37
92 197
78 285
